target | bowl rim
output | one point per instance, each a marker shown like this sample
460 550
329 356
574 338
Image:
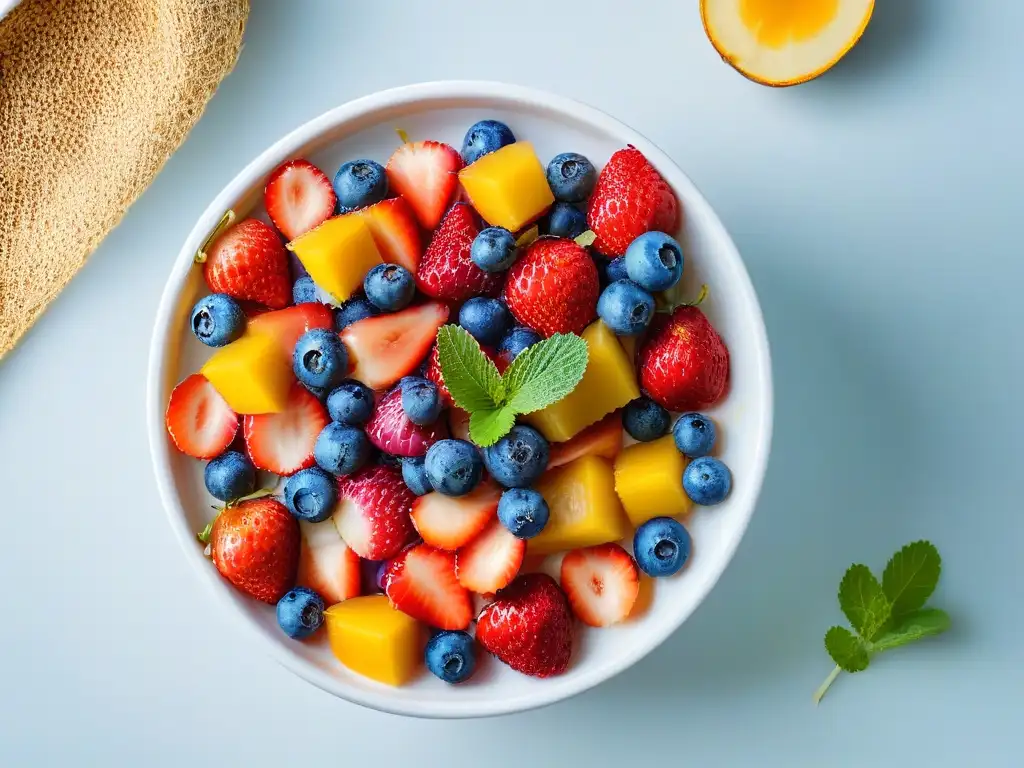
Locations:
554 689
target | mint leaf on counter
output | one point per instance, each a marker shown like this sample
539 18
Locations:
911 576
863 602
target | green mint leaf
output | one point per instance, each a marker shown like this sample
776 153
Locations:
913 626
545 373
910 577
846 649
488 426
469 374
863 602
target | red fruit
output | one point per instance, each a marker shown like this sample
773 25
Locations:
249 263
426 174
601 439
684 364
326 564
446 271
287 325
529 626
396 232
255 546
435 375
630 198
199 421
283 442
553 287
601 582
385 348
448 522
421 582
373 512
298 197
458 424
392 432
491 560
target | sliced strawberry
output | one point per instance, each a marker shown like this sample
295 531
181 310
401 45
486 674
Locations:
298 197
458 423
447 271
421 582
287 325
199 421
450 522
326 564
283 442
396 232
385 348
601 583
249 262
392 432
372 515
601 439
426 174
435 375
491 560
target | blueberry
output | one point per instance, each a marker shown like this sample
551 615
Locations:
350 403
450 656
414 472
616 270
230 476
661 546
566 220
311 494
645 420
707 481
420 400
523 511
320 359
352 311
519 458
453 467
571 177
300 613
493 250
626 308
694 434
516 340
389 287
304 290
483 138
217 320
486 320
360 183
341 449
654 261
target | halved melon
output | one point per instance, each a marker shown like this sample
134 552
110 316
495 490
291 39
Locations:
784 42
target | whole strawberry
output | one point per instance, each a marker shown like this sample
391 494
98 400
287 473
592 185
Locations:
250 263
446 270
630 198
255 546
529 626
553 287
684 364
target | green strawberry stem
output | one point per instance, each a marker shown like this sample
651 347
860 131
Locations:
666 301
820 693
586 239
224 223
402 135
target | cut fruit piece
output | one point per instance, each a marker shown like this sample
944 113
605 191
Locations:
491 560
784 43
326 564
372 639
390 430
283 442
649 481
396 232
421 582
435 375
450 522
298 197
251 374
601 439
423 172
372 515
508 187
584 508
383 349
601 582
338 254
199 421
287 325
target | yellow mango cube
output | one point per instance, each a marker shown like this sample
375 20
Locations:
251 374
584 508
649 481
338 254
375 640
509 187
608 383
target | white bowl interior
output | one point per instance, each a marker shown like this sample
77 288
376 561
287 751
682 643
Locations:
443 111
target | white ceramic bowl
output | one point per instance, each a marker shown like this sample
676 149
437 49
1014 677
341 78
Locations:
366 128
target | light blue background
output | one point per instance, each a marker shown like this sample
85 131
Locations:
879 211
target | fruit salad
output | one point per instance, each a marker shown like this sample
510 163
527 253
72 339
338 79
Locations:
454 405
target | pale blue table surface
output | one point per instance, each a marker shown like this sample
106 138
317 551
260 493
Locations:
879 210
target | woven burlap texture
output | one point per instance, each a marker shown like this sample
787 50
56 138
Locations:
95 95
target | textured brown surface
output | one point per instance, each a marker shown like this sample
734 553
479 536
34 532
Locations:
95 95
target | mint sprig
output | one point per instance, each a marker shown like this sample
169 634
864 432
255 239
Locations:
886 614
541 375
